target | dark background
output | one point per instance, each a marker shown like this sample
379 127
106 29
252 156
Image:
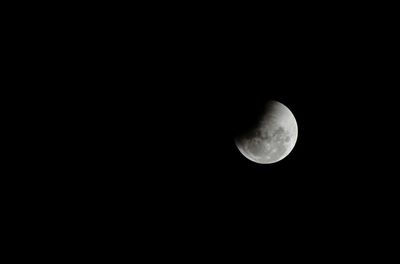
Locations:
141 110
191 85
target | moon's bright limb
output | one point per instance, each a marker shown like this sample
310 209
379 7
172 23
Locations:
273 138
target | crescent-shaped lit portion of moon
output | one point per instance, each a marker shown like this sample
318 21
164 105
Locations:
273 138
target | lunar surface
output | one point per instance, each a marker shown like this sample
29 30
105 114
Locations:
272 138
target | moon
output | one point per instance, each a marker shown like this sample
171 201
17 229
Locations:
272 137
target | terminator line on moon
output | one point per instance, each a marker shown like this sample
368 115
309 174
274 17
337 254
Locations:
272 138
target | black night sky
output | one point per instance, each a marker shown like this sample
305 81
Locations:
154 105
187 88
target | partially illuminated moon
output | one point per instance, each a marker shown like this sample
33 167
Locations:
272 138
